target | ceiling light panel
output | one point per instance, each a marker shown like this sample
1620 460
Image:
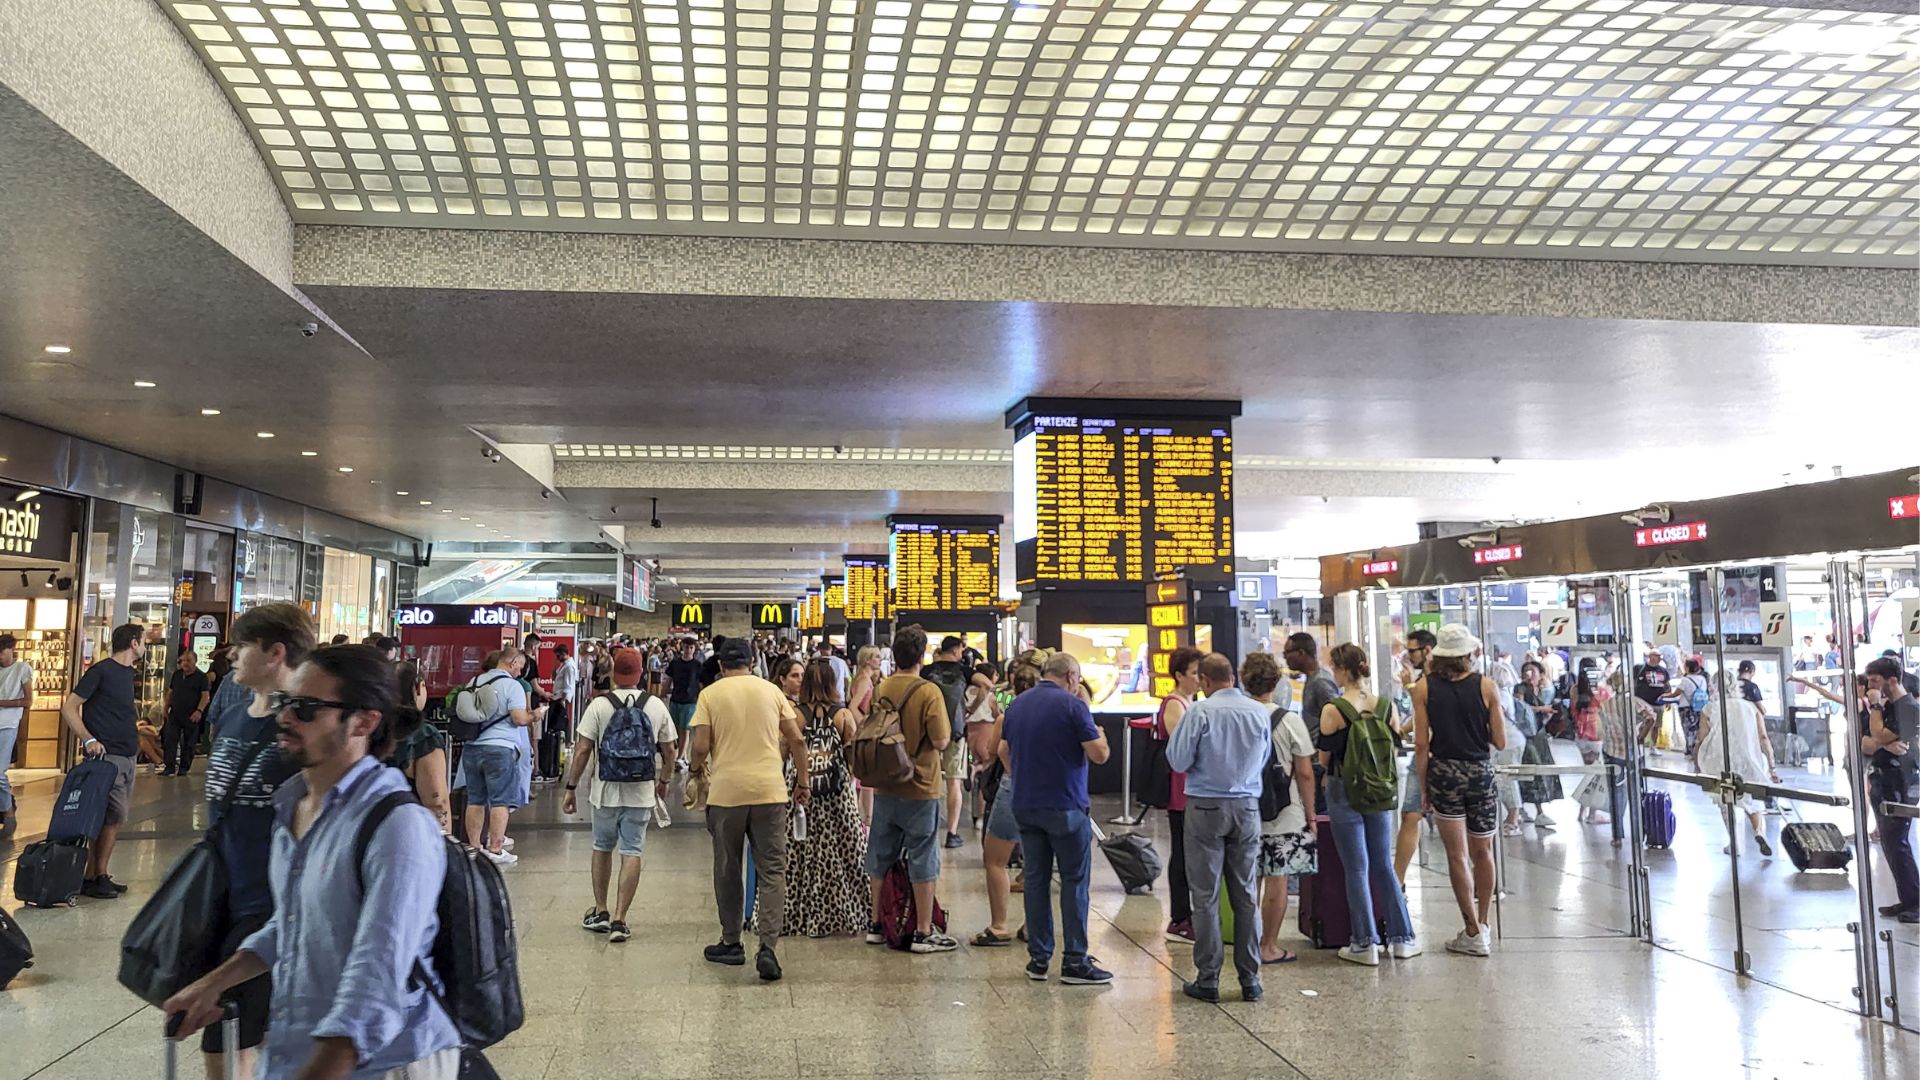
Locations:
1631 128
851 454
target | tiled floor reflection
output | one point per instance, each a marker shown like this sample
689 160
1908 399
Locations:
1568 993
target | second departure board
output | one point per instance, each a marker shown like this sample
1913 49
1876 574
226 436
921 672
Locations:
867 588
1116 498
945 563
833 599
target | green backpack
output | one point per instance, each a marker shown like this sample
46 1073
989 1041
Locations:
1368 768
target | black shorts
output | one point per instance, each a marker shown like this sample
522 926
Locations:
253 997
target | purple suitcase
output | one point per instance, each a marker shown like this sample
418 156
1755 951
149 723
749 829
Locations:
1656 819
1324 918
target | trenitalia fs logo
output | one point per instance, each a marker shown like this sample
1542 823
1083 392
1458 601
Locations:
1558 627
1776 624
694 614
1663 625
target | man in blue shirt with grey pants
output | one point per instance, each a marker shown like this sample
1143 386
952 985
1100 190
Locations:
1222 744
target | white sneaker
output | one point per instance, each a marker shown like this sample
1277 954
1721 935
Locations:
1542 820
506 843
1471 944
1368 955
504 858
1405 950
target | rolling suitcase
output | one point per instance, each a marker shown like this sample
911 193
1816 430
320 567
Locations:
16 952
1324 917
229 1037
50 873
81 810
1657 820
1815 845
1134 861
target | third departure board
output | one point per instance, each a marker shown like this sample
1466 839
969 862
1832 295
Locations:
945 563
867 588
1118 499
833 599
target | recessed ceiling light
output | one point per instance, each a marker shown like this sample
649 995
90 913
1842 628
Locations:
346 468
446 511
209 412
144 384
303 453
403 493
263 434
59 350
466 519
426 502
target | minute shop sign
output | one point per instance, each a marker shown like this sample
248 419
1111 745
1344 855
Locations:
38 525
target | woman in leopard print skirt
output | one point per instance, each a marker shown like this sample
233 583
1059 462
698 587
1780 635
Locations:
827 889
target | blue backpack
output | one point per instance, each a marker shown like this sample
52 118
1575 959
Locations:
1697 696
627 746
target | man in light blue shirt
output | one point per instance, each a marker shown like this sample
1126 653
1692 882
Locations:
349 947
497 762
1222 744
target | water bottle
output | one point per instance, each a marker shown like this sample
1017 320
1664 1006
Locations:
800 824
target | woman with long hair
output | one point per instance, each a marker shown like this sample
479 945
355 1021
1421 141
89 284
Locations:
1739 745
827 888
420 748
1184 665
1364 839
866 676
1001 835
1535 697
1591 698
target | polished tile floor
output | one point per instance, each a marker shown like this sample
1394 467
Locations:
1567 993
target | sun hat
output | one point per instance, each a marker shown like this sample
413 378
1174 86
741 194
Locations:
1455 640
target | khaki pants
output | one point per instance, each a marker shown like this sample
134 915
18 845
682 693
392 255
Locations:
731 827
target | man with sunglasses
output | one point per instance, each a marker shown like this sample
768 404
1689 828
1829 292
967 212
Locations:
344 942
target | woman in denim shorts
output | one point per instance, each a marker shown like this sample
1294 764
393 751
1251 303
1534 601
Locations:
1457 726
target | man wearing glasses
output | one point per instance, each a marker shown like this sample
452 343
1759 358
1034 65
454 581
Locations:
1407 843
344 942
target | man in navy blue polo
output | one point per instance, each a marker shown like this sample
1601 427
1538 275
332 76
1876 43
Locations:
1050 738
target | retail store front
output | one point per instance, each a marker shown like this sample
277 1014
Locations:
39 533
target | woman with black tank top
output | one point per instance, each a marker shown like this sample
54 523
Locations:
1457 727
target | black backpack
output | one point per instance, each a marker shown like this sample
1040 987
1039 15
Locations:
473 951
952 679
1276 786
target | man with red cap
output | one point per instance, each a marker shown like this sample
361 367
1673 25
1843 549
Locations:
629 736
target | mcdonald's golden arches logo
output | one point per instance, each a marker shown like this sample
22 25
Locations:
692 614
772 616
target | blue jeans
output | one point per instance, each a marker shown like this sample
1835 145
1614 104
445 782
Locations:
1365 844
1064 837
7 736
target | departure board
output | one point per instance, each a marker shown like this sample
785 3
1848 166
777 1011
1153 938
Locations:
815 611
867 588
1105 499
945 563
833 598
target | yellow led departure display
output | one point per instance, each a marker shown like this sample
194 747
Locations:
1109 499
945 563
866 588
833 598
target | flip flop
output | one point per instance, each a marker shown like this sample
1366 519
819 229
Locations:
987 939
1287 956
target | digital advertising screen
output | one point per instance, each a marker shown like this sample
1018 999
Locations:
1742 588
944 563
1115 499
1113 660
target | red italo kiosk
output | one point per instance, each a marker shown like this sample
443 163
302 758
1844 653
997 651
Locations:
450 642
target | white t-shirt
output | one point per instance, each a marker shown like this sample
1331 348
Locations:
593 724
1290 740
16 680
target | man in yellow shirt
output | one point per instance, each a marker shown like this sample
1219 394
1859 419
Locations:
739 726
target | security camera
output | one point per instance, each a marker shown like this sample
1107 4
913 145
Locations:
486 451
656 523
543 493
1496 459
308 329
1659 512
1486 539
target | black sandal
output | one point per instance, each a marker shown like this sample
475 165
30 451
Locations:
987 939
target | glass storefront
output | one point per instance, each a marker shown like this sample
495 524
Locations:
356 595
267 569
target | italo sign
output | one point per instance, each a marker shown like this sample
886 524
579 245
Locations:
457 615
36 525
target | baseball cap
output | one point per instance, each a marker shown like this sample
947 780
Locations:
736 653
627 667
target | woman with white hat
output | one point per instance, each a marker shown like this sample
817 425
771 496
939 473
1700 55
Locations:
1457 727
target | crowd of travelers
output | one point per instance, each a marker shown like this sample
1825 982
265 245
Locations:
829 790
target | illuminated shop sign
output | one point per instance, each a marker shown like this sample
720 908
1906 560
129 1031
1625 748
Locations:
457 615
1505 553
1661 535
1381 568
1904 507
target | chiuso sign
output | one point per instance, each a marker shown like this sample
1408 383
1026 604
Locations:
458 615
35 525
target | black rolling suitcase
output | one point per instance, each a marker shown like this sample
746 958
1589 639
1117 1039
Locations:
1816 845
50 873
229 1037
16 952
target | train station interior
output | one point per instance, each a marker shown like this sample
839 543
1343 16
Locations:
1105 327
